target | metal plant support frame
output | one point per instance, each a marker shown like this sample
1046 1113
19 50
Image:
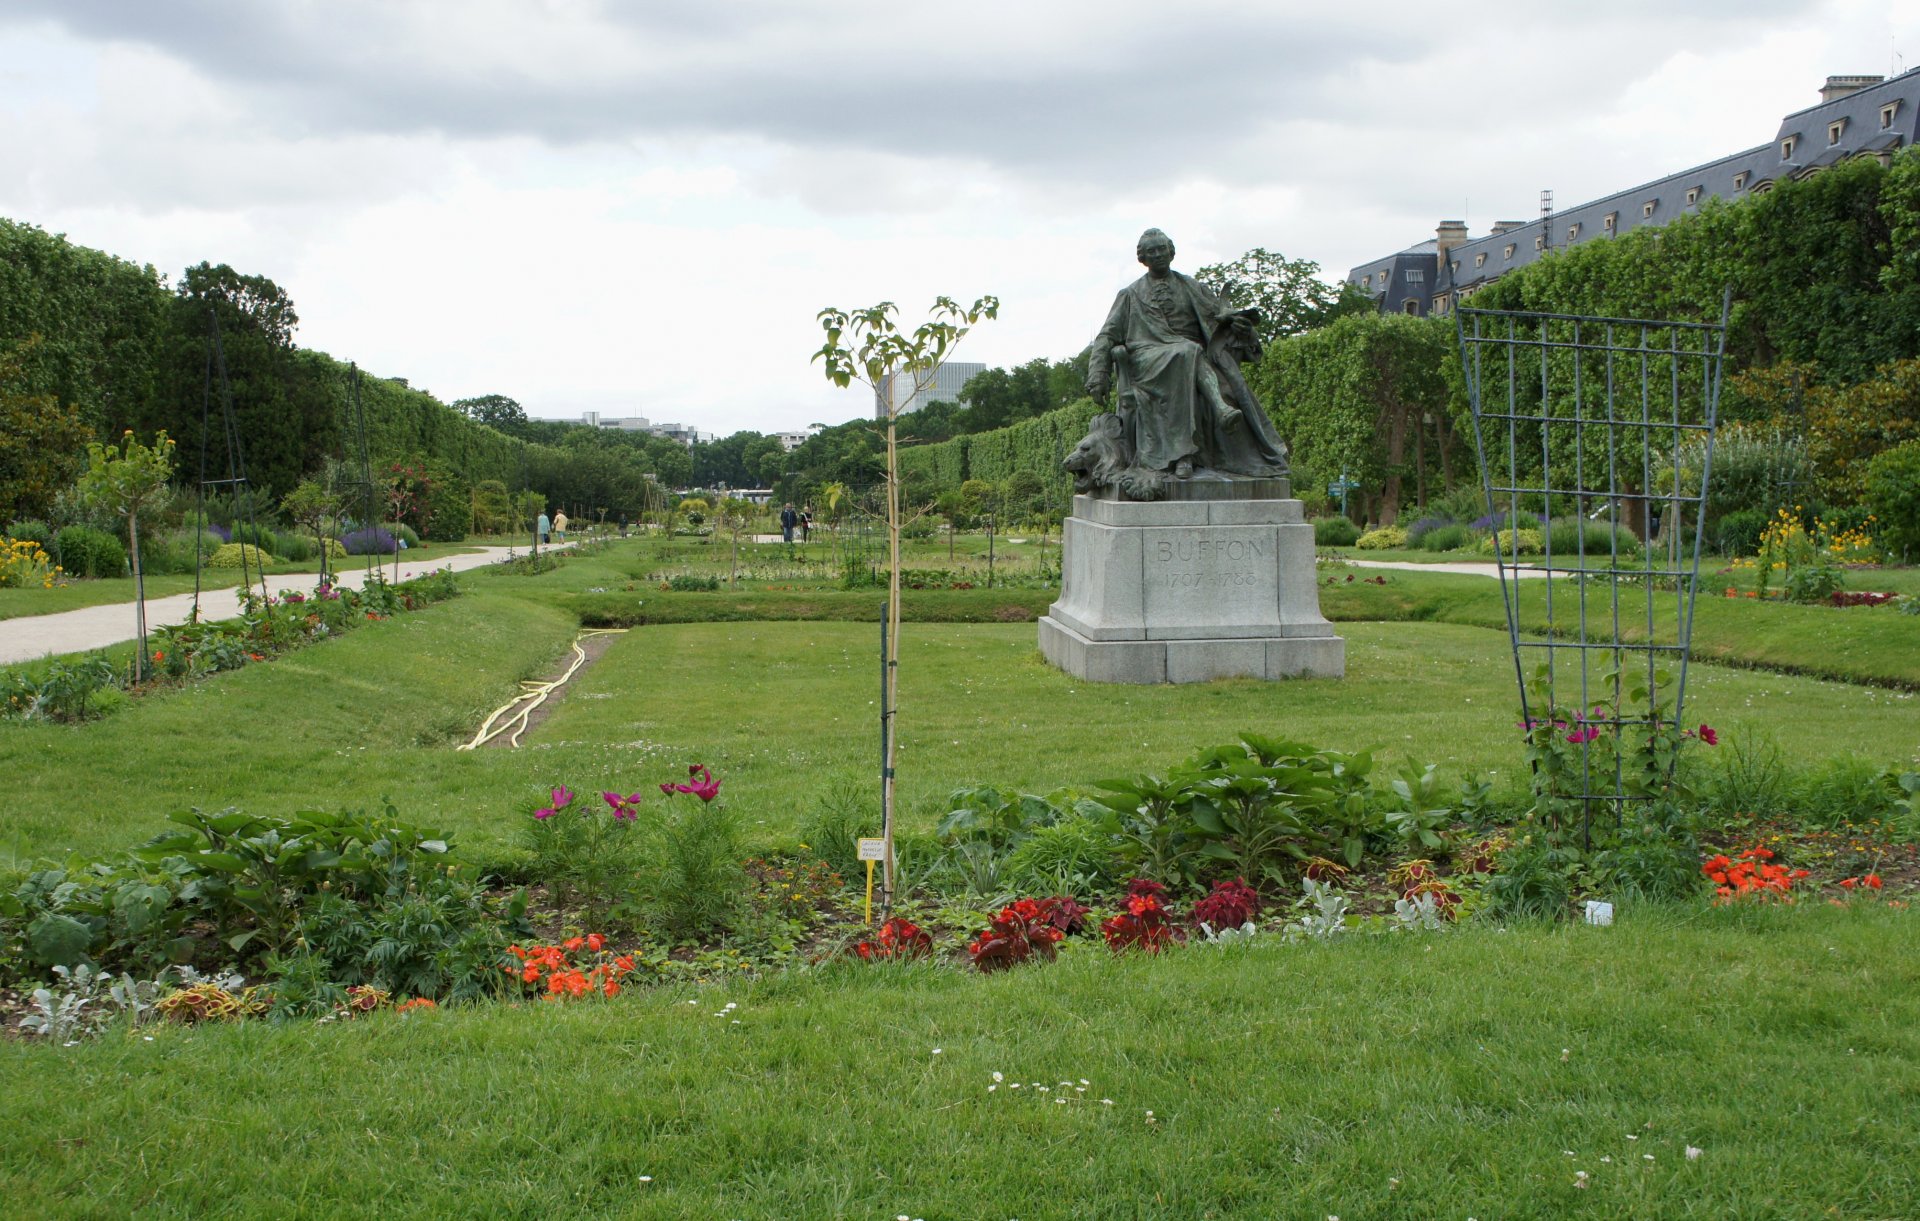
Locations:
1579 417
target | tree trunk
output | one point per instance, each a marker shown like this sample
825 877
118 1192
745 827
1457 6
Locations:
139 597
1396 454
889 714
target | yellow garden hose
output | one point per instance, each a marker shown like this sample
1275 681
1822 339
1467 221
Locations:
513 714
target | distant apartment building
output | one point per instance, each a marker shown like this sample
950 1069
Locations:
1857 116
895 395
790 441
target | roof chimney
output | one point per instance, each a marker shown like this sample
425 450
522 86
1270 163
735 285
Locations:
1449 234
1841 86
1501 226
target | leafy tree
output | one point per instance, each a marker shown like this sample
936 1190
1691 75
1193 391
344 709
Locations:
1365 398
123 482
1289 293
868 346
495 411
314 505
41 442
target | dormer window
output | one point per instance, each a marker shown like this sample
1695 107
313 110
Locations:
1383 279
1740 181
1610 221
1540 242
1573 231
1886 115
1646 209
1510 250
1833 131
1416 275
1693 196
1480 260
1786 147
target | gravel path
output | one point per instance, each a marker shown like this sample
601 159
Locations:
1470 568
94 627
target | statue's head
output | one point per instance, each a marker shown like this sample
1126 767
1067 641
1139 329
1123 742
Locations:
1155 249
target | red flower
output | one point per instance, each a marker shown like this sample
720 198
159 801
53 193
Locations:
1849 883
1872 880
1708 736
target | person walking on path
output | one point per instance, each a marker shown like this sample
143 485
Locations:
560 526
545 529
788 520
806 525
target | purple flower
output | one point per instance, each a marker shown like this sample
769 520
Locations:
562 797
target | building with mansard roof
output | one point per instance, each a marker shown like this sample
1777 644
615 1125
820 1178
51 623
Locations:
1857 116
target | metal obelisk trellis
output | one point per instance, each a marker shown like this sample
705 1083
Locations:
252 561
1579 419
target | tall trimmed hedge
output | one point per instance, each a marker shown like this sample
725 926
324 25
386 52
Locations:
1035 445
111 344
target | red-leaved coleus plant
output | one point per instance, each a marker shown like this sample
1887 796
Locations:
1020 931
1145 923
1228 905
897 938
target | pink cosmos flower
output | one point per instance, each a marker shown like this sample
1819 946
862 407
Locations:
700 783
624 808
1708 736
562 798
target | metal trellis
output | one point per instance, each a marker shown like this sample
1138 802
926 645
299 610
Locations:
1579 419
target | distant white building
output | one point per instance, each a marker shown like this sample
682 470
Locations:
790 441
682 433
895 394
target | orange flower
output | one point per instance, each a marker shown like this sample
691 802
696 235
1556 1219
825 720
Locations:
574 943
595 941
1872 880
1848 883
610 988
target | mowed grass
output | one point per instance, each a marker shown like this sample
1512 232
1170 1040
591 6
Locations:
783 713
1477 1073
1857 644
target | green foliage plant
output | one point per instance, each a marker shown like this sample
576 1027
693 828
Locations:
1446 538
87 551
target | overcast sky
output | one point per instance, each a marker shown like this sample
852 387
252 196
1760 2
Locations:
638 208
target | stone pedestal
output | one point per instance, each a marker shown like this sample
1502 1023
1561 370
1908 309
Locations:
1212 585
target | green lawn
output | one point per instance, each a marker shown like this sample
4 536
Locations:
782 711
1476 1073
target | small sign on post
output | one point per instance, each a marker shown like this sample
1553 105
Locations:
871 850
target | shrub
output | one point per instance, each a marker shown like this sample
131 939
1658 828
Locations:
32 530
1420 529
258 535
1893 494
1335 532
233 555
87 552
372 540
1498 520
1383 539
682 582
405 533
1569 535
1446 538
1738 533
297 548
1512 542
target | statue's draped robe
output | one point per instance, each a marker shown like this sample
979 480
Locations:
1178 337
